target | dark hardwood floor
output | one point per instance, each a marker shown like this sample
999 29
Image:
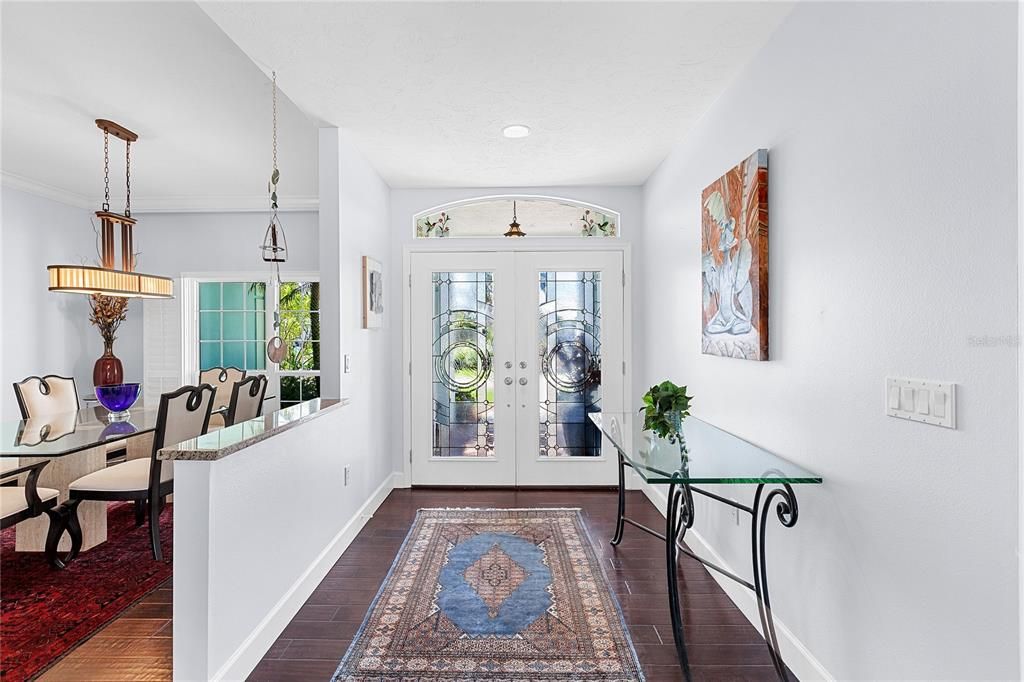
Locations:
722 644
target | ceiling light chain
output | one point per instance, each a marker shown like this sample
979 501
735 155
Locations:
128 179
273 75
106 171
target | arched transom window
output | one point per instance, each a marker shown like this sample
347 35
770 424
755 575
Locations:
536 216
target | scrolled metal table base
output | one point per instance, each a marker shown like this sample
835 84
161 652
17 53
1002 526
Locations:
679 517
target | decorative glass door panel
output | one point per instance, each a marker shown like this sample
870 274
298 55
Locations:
509 354
569 358
463 350
463 322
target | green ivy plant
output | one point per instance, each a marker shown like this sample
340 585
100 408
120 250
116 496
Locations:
661 405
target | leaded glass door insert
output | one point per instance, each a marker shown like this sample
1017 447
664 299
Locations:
569 361
509 354
463 353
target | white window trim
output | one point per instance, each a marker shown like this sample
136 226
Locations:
190 318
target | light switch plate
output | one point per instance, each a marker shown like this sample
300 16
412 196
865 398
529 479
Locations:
348 363
918 400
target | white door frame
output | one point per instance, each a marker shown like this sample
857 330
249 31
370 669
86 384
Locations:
488 244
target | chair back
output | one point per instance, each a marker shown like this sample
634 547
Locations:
222 379
183 414
246 399
44 396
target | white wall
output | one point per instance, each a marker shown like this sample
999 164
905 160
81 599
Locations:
893 195
45 332
364 214
405 203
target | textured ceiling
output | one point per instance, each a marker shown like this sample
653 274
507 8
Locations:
164 70
426 87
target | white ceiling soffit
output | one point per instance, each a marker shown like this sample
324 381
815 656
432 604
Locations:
164 70
426 88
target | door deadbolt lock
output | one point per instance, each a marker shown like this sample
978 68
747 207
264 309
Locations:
508 381
522 381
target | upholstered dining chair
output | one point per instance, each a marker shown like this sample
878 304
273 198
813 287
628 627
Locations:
246 399
43 396
222 379
183 414
22 502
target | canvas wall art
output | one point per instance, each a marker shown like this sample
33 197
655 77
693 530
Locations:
373 294
734 261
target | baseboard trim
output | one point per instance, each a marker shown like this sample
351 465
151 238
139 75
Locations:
796 655
251 651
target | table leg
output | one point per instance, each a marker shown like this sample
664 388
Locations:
787 511
30 535
620 521
672 525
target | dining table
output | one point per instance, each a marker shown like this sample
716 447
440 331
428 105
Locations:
76 444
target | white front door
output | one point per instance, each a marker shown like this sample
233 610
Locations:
510 352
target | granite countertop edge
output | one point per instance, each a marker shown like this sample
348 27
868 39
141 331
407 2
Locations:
179 454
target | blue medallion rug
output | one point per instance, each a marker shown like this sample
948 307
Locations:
494 594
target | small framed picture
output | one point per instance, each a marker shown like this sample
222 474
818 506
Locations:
373 294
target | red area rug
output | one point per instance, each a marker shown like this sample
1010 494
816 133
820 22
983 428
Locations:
44 613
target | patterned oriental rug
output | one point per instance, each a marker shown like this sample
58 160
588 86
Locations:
493 594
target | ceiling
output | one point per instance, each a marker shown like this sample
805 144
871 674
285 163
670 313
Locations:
423 87
426 87
202 109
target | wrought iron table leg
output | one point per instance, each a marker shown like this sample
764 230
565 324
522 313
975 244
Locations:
620 521
787 511
671 531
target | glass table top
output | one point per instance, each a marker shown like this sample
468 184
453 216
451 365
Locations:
69 432
707 454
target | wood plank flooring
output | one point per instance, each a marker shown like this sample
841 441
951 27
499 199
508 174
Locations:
722 644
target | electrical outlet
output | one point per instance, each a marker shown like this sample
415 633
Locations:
348 470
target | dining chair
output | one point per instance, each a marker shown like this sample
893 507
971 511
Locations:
183 414
246 399
22 502
222 379
43 396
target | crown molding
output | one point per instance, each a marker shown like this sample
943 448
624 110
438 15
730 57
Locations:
41 189
170 204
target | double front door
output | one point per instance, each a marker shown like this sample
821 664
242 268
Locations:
510 353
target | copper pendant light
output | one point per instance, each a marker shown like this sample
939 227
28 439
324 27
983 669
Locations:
106 280
513 227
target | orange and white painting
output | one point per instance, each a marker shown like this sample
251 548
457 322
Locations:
734 261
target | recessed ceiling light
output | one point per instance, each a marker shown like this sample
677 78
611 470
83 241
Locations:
514 131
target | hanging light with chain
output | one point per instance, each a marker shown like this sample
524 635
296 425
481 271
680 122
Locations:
106 280
275 243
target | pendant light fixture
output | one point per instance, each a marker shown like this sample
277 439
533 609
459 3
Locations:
106 280
275 243
513 227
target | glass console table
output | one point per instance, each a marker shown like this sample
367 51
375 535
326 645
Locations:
706 454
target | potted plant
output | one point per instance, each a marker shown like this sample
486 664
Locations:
108 312
665 407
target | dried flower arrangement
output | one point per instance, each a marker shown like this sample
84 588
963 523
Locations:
108 312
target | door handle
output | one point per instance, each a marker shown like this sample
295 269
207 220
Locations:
508 364
522 364
508 381
522 381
